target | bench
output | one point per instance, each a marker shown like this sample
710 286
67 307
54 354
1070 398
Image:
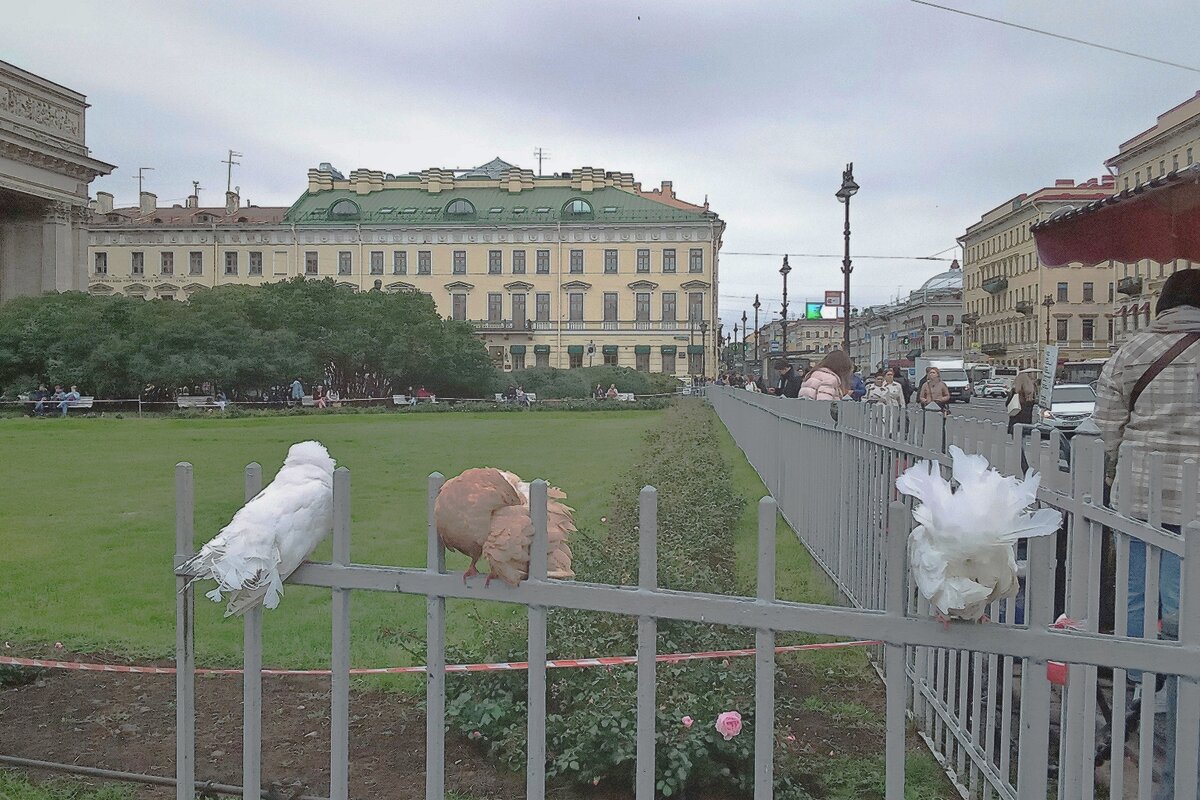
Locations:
626 396
411 400
530 395
196 401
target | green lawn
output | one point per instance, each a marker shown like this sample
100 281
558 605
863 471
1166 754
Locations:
87 514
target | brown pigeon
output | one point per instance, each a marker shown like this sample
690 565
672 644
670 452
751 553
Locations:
485 513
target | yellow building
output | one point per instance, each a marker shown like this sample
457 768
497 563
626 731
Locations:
1012 305
567 270
1172 143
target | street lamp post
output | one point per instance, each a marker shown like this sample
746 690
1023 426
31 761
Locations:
704 347
757 332
848 190
732 359
1048 303
591 351
742 352
784 270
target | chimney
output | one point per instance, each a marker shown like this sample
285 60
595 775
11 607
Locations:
148 202
104 203
193 201
232 202
667 191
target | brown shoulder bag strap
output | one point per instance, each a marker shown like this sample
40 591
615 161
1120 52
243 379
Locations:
1184 342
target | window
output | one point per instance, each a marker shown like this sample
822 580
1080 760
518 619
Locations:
668 363
610 357
641 362
695 260
574 360
610 306
458 306
577 261
1061 325
196 262
695 306
610 262
669 260
460 208
1088 291
495 262
1174 162
541 359
518 361
1062 293
949 342
1137 177
518 311
102 263
310 263
1111 329
542 309
949 319
642 306
376 262
695 363
1089 330
575 309
345 262
933 319
344 209
256 262
668 307
578 207
231 262
424 262
933 343
399 262
460 262
643 260
518 262
543 262
166 297
1162 168
495 306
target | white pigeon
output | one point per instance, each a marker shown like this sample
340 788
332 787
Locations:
961 552
270 536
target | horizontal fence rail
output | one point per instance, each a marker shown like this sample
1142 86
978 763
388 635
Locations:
1016 708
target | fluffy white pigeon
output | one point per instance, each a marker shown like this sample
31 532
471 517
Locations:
270 536
961 552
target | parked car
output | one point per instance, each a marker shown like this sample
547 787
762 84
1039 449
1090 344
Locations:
1070 404
995 387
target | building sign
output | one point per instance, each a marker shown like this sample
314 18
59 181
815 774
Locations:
1049 368
833 298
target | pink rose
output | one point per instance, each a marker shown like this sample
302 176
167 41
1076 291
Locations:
687 722
729 724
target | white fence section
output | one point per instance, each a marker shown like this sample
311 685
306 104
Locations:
991 714
835 483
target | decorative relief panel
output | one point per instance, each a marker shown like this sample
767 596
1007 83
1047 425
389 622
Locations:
40 112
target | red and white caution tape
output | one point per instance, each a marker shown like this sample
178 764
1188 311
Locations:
562 663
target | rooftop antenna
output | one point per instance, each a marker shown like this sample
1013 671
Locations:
229 172
540 154
140 179
196 187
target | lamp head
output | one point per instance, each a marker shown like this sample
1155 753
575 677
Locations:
849 187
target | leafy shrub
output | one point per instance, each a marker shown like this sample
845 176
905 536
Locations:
551 383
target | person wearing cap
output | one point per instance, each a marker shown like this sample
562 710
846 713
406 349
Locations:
789 383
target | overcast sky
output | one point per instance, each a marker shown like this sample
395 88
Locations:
756 105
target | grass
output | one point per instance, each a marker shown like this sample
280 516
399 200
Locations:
87 510
14 786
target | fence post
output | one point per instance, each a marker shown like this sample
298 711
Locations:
435 655
185 652
252 627
1034 746
535 766
647 646
1187 745
339 699
895 673
764 659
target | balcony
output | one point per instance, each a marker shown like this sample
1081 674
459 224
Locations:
501 325
970 319
996 284
994 349
1024 307
1130 286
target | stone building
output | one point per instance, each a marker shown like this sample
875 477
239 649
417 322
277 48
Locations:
586 267
928 322
45 169
1171 144
1013 306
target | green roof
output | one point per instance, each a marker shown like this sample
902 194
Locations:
493 206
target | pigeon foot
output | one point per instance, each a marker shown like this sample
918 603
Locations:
470 573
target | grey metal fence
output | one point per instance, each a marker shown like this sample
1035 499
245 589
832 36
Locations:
957 684
991 714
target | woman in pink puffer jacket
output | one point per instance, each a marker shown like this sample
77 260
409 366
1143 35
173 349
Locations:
830 379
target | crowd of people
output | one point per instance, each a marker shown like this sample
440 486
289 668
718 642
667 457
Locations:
59 399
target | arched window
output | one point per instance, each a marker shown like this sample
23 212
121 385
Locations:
577 206
344 209
460 208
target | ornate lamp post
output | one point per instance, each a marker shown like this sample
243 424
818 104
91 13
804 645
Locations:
1048 303
784 270
732 357
742 352
848 190
704 347
756 330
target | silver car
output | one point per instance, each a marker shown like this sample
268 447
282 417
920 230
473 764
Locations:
1070 404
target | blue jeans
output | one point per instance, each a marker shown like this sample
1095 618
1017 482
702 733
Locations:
1168 594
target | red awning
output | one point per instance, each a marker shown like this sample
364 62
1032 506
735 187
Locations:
1159 220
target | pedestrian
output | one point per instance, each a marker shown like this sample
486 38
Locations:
875 390
935 395
906 387
611 394
752 385
68 398
832 379
893 392
599 393
787 382
1145 406
858 388
319 396
297 392
1025 391
39 401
